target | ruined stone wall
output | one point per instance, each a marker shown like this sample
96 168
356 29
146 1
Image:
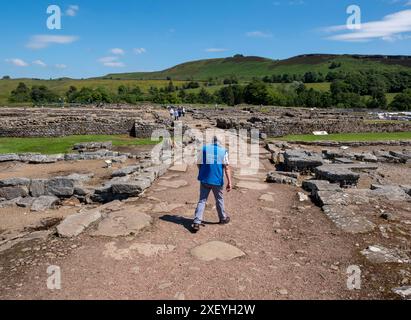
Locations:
55 123
286 127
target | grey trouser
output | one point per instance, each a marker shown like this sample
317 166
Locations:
219 198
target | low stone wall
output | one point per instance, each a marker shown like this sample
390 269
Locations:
279 128
392 143
37 122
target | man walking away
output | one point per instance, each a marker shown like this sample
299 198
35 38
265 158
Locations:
184 111
172 112
214 164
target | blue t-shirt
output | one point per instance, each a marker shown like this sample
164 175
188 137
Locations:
213 159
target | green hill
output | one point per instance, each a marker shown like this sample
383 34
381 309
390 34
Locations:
245 68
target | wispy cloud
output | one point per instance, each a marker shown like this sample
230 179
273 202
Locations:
389 28
112 62
17 62
118 51
43 41
139 50
216 50
39 63
258 34
296 2
72 10
60 66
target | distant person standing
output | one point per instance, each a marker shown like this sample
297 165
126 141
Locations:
176 115
172 112
184 111
213 165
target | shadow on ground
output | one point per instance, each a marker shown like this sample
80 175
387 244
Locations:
182 221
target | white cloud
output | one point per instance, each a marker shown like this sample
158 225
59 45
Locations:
389 28
296 2
60 66
112 62
17 62
43 41
39 63
139 50
216 50
107 59
258 34
118 64
72 10
117 51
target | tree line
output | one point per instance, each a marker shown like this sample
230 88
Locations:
351 92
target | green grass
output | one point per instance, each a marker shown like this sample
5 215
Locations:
61 86
344 137
63 144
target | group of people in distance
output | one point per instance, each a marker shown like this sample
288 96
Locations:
177 112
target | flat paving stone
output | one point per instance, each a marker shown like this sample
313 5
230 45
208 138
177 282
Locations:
267 197
166 207
173 184
123 223
179 168
75 224
216 250
252 185
145 249
347 219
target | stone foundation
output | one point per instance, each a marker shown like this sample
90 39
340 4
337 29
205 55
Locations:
47 122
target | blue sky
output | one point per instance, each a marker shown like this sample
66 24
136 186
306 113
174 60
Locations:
100 37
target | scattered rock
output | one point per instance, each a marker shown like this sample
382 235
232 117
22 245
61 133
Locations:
25 202
379 254
216 250
44 203
60 187
404 292
10 193
345 218
125 171
274 177
302 197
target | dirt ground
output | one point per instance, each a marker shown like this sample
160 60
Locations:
292 251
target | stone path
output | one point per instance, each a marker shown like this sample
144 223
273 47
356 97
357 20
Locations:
275 248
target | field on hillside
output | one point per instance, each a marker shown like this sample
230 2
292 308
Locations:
61 86
246 68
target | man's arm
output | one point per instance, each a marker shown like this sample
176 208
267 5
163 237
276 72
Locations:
227 170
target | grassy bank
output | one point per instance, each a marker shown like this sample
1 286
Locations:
63 144
343 137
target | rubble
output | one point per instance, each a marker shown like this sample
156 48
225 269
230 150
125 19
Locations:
379 254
